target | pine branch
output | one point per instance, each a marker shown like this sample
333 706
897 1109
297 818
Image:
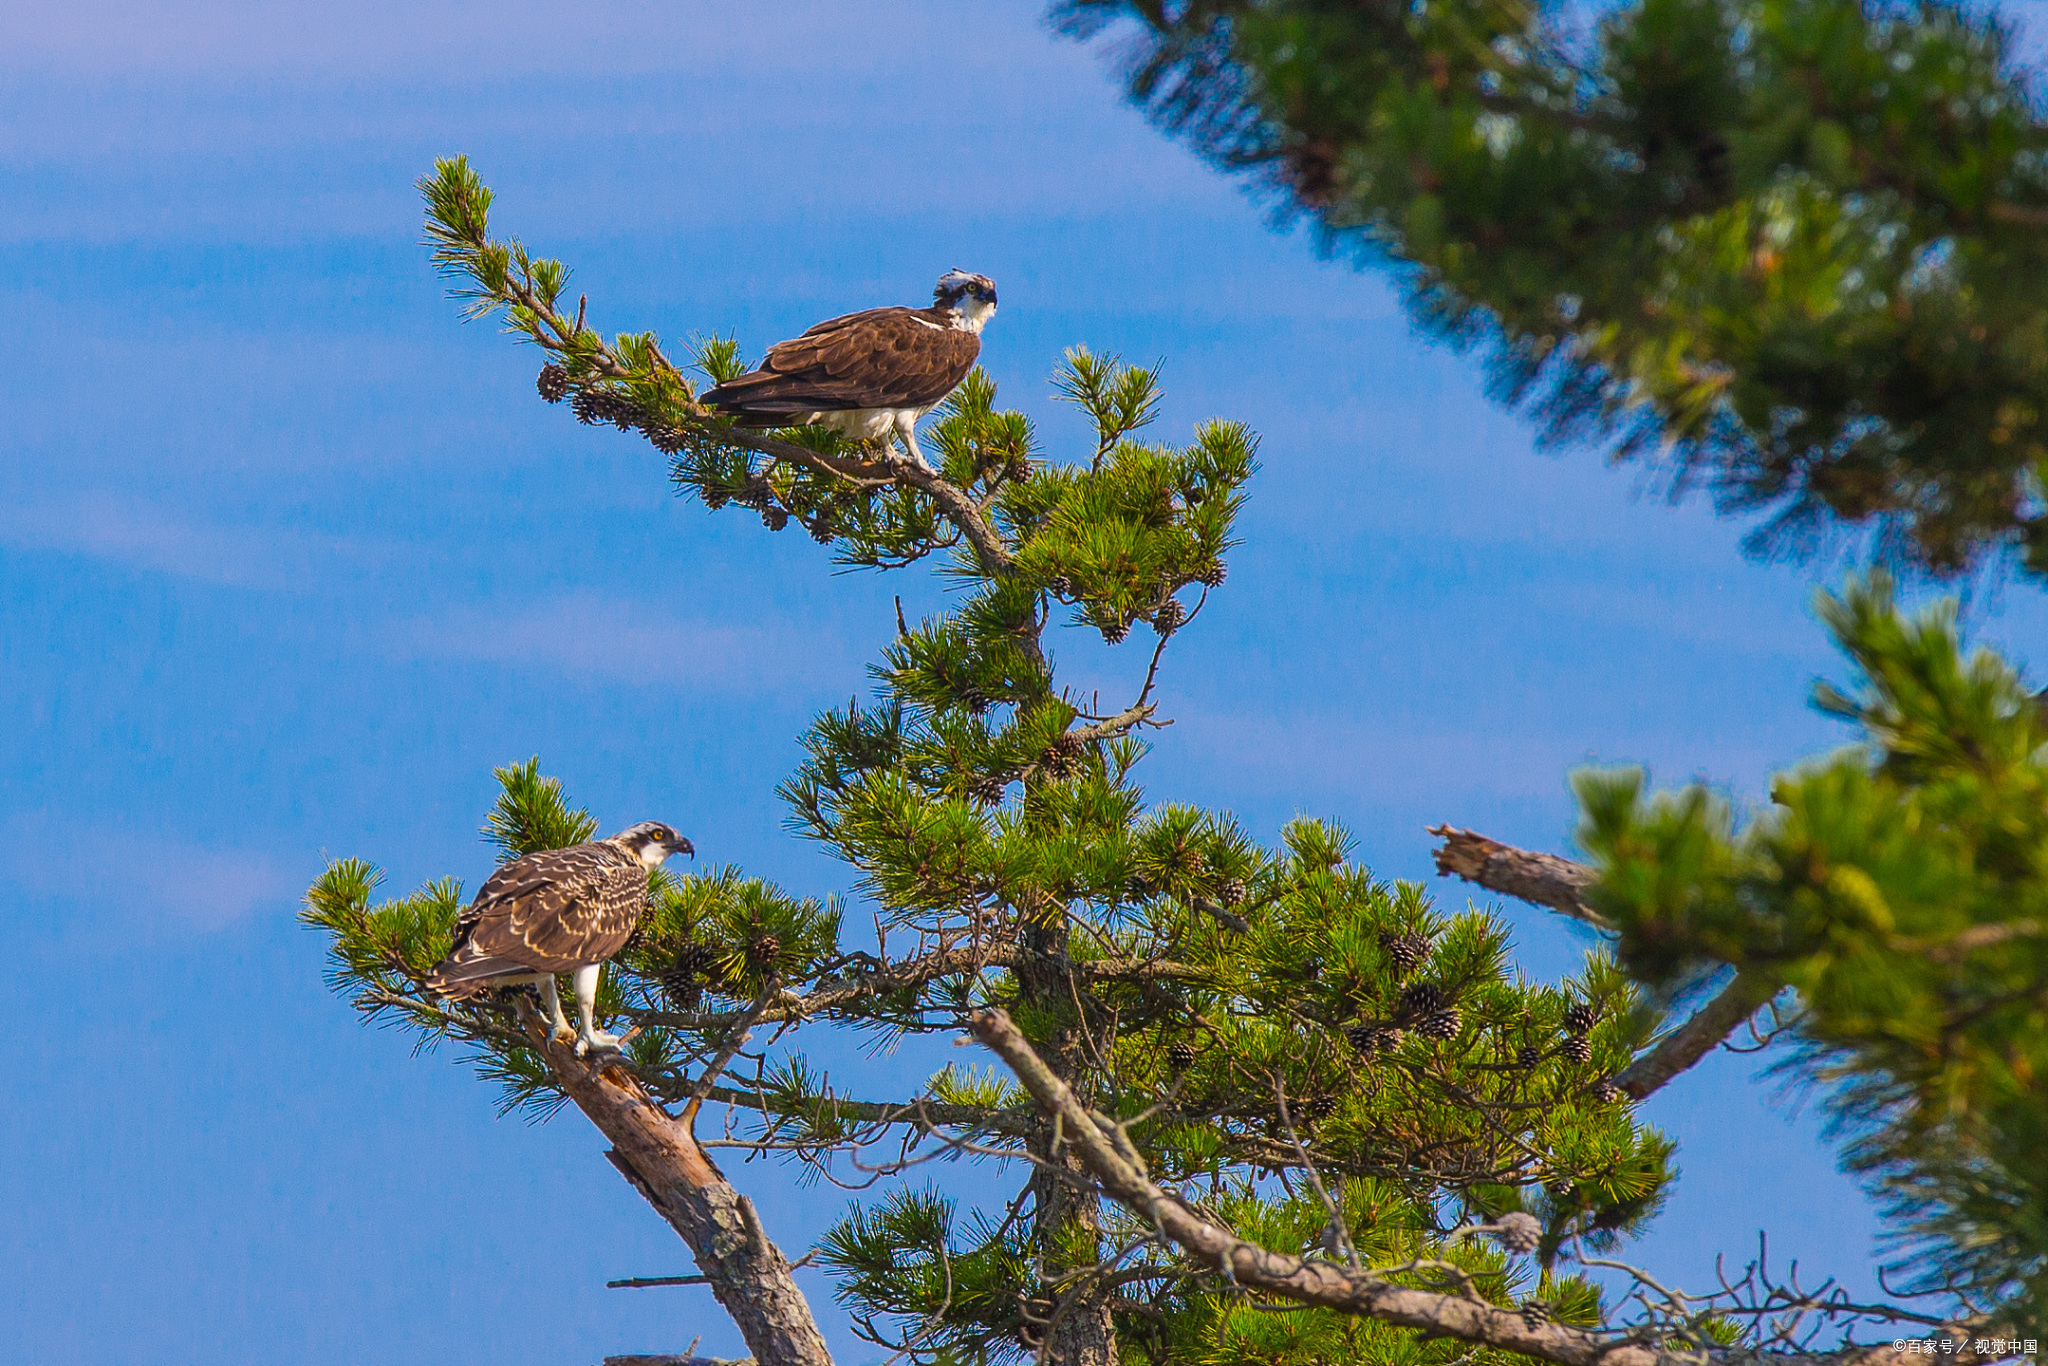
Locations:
660 1156
1107 1155
1698 1036
1540 879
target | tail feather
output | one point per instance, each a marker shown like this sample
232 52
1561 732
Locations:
455 979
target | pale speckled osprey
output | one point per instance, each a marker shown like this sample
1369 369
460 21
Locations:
869 375
558 910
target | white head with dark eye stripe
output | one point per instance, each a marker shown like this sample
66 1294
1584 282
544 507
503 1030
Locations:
653 843
971 299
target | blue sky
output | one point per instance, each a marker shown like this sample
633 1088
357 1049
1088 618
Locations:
290 559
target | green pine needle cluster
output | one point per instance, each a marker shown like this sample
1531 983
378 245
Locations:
1792 249
1901 887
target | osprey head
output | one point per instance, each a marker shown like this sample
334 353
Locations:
652 842
971 298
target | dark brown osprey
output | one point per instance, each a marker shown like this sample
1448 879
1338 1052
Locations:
558 910
869 375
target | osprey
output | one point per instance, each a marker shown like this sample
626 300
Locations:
868 375
557 910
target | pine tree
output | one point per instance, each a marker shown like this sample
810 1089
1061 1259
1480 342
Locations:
1323 1060
1793 250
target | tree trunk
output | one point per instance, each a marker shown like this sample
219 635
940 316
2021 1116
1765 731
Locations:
1068 1214
659 1154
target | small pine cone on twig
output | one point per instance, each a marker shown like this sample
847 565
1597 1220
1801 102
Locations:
714 497
1424 998
668 440
974 699
1315 1109
775 519
1527 1056
1114 632
763 952
1518 1231
1534 1315
1406 951
989 790
1231 891
1018 469
1607 1093
1442 1024
1373 1038
1180 1057
1060 586
1212 576
1576 1049
823 531
553 383
1581 1018
1168 616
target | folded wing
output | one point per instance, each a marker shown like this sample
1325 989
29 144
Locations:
880 358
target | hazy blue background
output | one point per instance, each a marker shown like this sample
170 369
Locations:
289 559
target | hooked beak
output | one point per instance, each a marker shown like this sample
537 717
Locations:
683 846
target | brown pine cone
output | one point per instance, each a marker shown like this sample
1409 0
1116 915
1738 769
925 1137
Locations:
1576 1049
1581 1018
553 383
1407 952
1181 1056
1424 998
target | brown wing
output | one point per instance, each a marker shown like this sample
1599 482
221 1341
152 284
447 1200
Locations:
882 358
550 911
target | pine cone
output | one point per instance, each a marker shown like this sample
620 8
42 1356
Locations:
1018 469
1581 1018
586 405
974 699
775 519
1518 1232
1527 1056
1231 891
1315 1108
1060 586
668 440
1443 1024
1607 1093
1423 998
763 951
714 497
682 981
1213 575
553 383
1166 619
1534 1315
1115 631
1373 1038
1181 1057
1407 951
1576 1049
988 790
823 531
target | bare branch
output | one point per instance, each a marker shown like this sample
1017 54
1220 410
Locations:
1540 879
1696 1038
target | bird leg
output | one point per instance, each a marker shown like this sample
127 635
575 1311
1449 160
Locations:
552 999
590 1038
907 433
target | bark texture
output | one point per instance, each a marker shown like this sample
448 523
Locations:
1541 879
659 1154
